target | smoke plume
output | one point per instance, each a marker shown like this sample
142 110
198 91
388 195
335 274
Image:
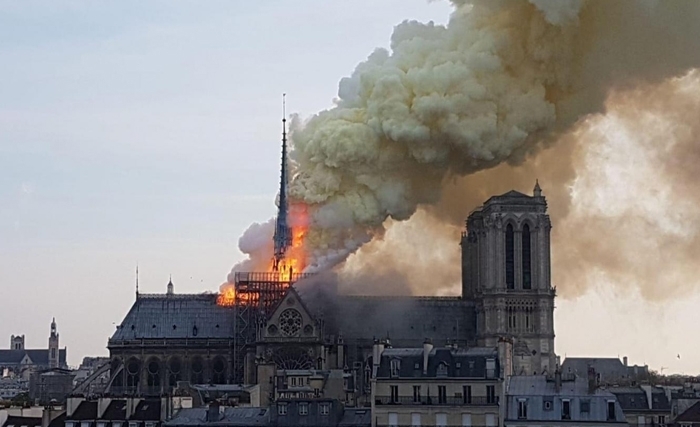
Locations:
508 91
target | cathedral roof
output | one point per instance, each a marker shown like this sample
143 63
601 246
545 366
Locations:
406 321
175 316
37 357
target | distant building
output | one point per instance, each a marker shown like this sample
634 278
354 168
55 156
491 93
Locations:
536 400
20 361
51 386
438 386
644 405
610 370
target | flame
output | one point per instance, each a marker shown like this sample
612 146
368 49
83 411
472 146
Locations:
227 295
293 263
295 258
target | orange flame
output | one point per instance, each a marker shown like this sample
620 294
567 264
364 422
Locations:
295 259
293 263
227 296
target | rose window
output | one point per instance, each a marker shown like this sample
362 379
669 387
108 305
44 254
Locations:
290 322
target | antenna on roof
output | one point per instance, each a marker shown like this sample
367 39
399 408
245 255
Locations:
137 280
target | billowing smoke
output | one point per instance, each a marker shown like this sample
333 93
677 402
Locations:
452 113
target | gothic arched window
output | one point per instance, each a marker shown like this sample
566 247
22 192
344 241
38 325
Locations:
527 262
153 370
510 257
219 371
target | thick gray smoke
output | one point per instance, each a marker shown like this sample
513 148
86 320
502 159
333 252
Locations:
479 98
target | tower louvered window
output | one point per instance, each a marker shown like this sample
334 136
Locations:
510 257
527 261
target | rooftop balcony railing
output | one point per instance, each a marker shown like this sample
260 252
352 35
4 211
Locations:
436 401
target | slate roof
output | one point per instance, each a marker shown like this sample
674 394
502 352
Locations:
59 421
691 414
147 410
38 356
230 416
85 411
176 316
356 417
22 421
635 399
406 321
539 385
115 411
609 368
472 362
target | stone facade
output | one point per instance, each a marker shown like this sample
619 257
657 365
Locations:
506 270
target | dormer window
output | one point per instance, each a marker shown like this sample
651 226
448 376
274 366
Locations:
395 366
442 369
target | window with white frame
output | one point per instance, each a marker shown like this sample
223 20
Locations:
303 408
101 424
395 367
522 409
85 424
325 408
281 409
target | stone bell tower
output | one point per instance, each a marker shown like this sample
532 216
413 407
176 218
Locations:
506 271
53 346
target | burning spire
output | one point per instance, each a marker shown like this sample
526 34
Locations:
283 233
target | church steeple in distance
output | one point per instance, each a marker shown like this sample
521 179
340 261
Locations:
283 233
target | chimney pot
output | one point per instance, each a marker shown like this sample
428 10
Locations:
427 348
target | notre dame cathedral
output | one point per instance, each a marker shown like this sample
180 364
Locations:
506 294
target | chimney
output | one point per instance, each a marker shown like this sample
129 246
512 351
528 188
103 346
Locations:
213 412
427 348
592 380
377 351
557 380
624 360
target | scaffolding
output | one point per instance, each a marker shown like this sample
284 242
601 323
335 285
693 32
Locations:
257 294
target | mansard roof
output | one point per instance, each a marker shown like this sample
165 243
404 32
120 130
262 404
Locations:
691 414
18 421
87 410
115 411
227 417
457 363
178 316
611 369
38 357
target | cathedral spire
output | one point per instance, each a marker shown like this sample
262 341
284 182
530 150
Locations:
283 234
537 191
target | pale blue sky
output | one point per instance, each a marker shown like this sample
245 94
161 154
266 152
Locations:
148 132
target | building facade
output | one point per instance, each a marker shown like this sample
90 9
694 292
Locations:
431 386
506 270
535 400
507 294
18 361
